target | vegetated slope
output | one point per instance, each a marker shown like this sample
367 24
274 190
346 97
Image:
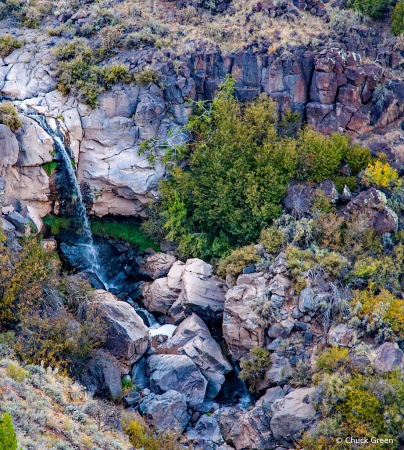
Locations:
51 411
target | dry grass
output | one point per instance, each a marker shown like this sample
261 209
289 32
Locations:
51 411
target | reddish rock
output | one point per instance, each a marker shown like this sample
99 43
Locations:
325 64
349 96
359 123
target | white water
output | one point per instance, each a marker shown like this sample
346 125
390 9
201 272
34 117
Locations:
87 243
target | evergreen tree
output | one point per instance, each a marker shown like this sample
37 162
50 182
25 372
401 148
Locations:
8 438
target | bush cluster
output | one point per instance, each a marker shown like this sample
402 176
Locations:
254 366
80 74
237 260
9 116
239 167
8 44
375 9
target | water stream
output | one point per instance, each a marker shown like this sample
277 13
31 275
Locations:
86 242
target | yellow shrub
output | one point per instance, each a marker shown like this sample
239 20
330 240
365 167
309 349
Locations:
332 359
16 372
381 175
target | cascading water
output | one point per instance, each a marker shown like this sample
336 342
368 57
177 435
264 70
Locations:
86 244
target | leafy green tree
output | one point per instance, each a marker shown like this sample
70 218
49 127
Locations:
8 438
397 20
237 169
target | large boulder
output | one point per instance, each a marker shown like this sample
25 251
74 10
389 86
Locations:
206 433
388 357
177 372
160 295
247 430
279 372
157 265
127 336
202 293
243 326
372 203
193 338
102 375
165 411
293 414
8 149
269 398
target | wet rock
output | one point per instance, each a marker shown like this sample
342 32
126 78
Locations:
179 373
31 213
388 357
139 374
165 411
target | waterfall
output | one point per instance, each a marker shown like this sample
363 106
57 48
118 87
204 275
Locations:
87 244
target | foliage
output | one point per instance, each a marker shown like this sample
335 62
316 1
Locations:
145 77
254 366
79 72
8 44
111 36
374 9
56 223
341 181
379 311
16 372
386 271
8 438
381 175
50 167
397 20
272 239
125 231
237 260
301 375
239 166
300 261
141 435
9 116
332 359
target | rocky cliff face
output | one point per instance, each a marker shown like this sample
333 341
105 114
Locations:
331 87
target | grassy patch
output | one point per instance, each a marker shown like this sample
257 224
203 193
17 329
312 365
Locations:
56 223
124 231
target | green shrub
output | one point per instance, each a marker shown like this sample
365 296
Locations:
254 366
332 359
341 181
8 438
128 232
375 9
237 261
300 261
79 73
272 239
16 372
9 116
397 20
145 77
8 44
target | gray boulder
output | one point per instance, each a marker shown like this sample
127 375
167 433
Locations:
202 293
306 302
281 329
22 224
206 433
139 374
127 336
269 398
279 372
243 326
157 265
247 430
166 411
388 357
177 372
293 414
